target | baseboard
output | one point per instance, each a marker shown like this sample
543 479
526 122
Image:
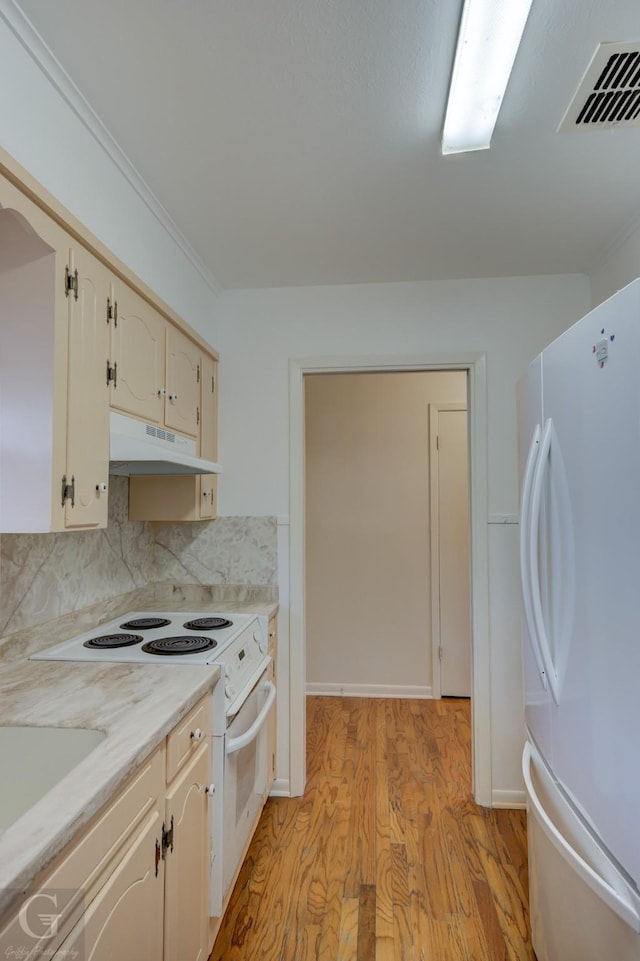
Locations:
280 788
508 799
369 690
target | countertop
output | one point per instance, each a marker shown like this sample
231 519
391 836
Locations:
136 705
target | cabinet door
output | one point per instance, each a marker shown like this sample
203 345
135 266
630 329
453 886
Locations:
183 383
187 865
125 919
138 356
87 467
208 434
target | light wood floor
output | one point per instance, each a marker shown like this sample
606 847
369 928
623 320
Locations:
386 857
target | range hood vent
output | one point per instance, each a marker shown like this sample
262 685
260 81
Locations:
141 448
609 92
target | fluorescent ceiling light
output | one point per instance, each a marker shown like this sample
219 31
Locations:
488 40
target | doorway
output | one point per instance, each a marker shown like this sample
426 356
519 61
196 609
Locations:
475 367
367 520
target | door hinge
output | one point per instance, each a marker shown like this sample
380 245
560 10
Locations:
198 374
112 311
68 490
167 838
71 282
112 374
197 415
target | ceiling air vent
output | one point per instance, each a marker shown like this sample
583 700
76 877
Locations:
609 92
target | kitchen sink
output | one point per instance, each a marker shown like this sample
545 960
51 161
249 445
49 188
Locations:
34 759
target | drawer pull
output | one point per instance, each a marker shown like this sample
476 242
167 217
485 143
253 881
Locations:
197 735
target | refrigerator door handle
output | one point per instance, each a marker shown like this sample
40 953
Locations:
624 908
525 571
534 522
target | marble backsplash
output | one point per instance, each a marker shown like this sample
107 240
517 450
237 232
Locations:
231 551
48 576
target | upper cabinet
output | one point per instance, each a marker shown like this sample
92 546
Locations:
178 499
54 453
137 356
87 424
154 368
182 400
77 339
207 499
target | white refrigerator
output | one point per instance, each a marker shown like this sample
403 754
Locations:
579 452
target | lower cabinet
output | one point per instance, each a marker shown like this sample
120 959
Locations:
125 919
186 883
135 885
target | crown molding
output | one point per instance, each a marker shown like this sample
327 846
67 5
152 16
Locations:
30 39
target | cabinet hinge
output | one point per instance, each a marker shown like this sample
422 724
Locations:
197 415
437 442
112 374
157 855
167 838
71 282
68 490
440 653
213 384
198 374
112 311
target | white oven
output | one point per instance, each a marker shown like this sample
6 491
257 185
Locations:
242 701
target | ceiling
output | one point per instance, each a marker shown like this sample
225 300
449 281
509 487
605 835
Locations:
297 141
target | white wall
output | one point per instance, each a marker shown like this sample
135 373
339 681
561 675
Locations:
510 319
42 132
618 268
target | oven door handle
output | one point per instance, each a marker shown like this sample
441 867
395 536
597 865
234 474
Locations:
234 744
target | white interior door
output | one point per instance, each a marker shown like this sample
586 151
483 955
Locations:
450 550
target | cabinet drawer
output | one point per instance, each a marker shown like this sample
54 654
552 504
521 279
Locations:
80 872
184 740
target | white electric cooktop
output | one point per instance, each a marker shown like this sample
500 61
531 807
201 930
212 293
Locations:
183 638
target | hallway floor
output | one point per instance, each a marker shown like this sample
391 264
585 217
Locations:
386 857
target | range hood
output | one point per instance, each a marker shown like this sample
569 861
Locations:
141 448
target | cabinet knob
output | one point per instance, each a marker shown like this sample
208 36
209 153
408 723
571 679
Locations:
197 735
162 392
173 397
210 789
101 488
